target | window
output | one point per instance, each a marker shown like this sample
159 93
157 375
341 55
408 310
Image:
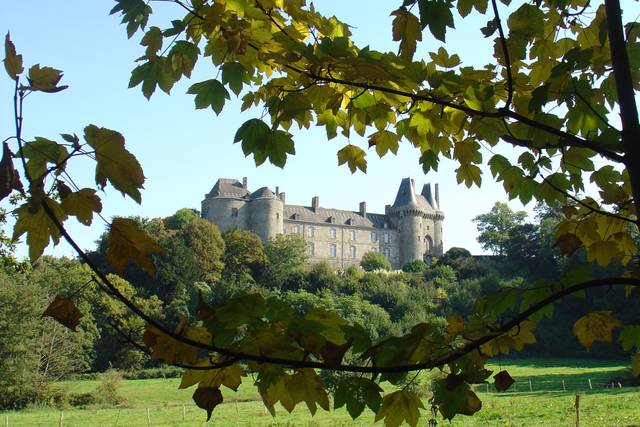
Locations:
387 252
296 229
374 236
352 251
352 235
374 249
311 231
385 237
234 211
310 249
332 250
332 233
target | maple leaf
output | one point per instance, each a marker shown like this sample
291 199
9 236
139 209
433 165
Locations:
455 400
306 386
114 162
384 141
169 349
356 393
127 242
502 381
64 310
9 177
400 406
595 326
406 29
12 61
40 153
229 376
45 79
207 398
354 157
34 221
82 204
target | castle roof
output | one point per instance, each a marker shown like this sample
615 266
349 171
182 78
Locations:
262 193
226 187
333 216
407 197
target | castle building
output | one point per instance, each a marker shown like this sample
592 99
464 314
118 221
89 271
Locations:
409 229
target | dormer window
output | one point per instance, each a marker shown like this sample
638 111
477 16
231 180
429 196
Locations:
295 216
331 220
349 221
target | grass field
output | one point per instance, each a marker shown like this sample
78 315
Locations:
547 405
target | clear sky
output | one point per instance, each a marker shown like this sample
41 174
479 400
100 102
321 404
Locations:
184 151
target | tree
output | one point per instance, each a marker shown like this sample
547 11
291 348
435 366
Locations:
372 261
560 70
285 254
496 226
244 255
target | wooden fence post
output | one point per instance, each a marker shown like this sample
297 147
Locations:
530 386
619 384
564 388
487 387
577 406
590 386
148 417
184 413
237 411
117 417
6 421
61 419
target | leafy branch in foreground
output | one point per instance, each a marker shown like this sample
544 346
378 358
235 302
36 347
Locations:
303 67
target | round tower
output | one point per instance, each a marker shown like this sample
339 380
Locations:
225 204
410 224
265 214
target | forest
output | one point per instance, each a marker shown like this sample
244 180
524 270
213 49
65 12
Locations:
201 264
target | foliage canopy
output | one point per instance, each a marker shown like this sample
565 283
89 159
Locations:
559 71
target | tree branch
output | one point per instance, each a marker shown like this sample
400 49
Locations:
505 51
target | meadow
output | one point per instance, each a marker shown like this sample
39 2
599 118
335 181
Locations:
538 398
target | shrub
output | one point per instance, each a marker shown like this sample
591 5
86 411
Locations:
415 266
82 399
372 261
107 391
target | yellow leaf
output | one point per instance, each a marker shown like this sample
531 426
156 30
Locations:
169 349
64 311
33 220
399 406
455 324
516 338
306 386
45 79
595 326
82 204
12 61
114 162
470 174
127 242
229 376
603 252
635 365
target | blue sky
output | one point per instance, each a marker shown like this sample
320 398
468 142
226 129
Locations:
183 151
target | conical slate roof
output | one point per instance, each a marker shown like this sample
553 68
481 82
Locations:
262 193
225 187
407 197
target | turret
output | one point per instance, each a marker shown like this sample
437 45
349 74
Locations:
225 204
265 214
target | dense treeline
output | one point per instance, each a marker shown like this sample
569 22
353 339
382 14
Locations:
201 262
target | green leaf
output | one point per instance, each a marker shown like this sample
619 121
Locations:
437 16
469 174
114 162
258 139
153 73
356 393
306 386
630 337
398 407
12 61
234 75
455 400
135 13
384 141
354 157
40 153
153 41
406 30
209 93
182 58
443 59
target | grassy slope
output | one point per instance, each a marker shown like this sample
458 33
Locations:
599 407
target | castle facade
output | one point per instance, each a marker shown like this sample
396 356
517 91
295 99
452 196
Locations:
410 228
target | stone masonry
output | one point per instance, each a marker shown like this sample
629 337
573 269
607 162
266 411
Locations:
409 229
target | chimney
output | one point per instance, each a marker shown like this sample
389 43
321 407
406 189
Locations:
363 208
244 182
281 196
277 190
315 203
437 206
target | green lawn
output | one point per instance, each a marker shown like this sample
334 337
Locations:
168 405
